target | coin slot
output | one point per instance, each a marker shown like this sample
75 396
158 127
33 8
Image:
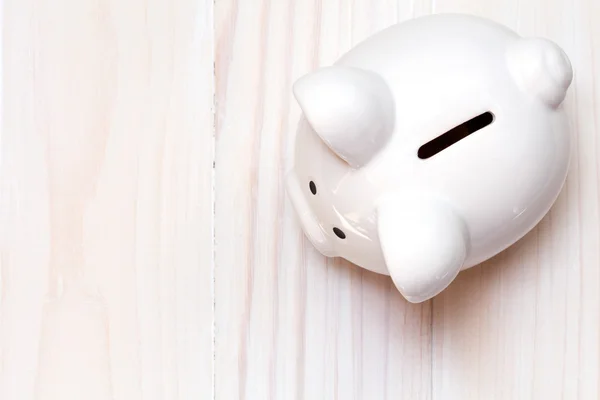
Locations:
455 135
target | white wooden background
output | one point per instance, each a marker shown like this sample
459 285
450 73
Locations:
148 250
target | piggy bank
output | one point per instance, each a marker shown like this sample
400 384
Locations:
430 147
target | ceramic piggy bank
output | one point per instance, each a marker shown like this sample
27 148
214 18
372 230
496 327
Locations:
430 147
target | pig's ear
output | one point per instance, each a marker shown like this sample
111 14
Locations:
351 109
541 68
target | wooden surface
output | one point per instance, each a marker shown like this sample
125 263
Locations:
148 250
105 190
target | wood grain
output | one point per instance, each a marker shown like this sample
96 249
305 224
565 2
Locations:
105 190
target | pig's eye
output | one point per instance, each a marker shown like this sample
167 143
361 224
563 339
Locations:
339 233
312 187
455 135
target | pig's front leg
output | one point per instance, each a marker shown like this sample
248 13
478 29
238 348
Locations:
424 243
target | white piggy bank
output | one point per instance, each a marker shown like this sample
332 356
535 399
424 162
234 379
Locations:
430 147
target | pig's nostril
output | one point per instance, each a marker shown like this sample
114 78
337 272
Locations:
312 187
339 233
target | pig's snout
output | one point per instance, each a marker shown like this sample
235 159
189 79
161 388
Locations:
310 224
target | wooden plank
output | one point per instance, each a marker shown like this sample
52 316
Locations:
525 324
289 323
105 199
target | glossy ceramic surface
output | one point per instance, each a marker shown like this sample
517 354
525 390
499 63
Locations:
363 189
